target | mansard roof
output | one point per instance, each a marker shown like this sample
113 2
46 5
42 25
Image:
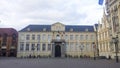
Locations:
75 28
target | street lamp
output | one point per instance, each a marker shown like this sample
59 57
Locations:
115 41
94 49
81 48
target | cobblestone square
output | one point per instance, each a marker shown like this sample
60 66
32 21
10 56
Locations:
57 63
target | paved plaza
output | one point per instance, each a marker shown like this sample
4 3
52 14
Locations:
57 63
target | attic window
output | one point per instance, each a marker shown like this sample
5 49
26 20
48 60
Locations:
28 29
71 29
86 29
44 29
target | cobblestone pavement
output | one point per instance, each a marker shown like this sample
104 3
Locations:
57 63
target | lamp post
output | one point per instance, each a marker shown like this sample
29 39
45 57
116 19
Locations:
115 41
81 49
94 49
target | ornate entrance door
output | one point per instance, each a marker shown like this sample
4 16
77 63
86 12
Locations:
57 51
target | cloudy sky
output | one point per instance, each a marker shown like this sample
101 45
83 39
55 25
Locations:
20 13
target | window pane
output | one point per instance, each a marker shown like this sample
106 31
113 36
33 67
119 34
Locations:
43 47
66 37
49 38
76 37
32 47
49 47
38 47
43 37
33 37
21 46
27 37
27 47
38 37
81 37
71 37
86 37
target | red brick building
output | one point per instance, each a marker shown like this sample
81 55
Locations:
8 42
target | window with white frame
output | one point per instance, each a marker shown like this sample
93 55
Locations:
27 46
27 37
86 37
71 46
67 46
38 37
92 37
21 46
43 47
81 37
71 37
76 37
33 46
87 46
22 37
66 37
76 46
49 47
43 37
33 37
49 37
38 47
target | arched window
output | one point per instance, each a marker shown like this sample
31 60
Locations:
14 36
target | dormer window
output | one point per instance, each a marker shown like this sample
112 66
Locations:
28 29
71 29
44 29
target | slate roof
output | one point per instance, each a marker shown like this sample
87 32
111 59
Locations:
39 28
8 31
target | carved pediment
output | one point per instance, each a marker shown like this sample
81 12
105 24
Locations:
58 27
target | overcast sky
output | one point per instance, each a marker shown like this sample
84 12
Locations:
20 13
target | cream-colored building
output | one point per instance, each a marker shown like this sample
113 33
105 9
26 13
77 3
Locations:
56 40
104 43
113 19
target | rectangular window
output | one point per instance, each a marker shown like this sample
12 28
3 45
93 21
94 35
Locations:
22 37
43 37
67 46
81 47
27 37
33 37
86 37
76 37
33 47
38 37
38 47
81 37
21 46
43 47
49 38
92 37
66 37
27 47
71 37
86 46
49 47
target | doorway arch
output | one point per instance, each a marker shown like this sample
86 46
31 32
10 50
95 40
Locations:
57 51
